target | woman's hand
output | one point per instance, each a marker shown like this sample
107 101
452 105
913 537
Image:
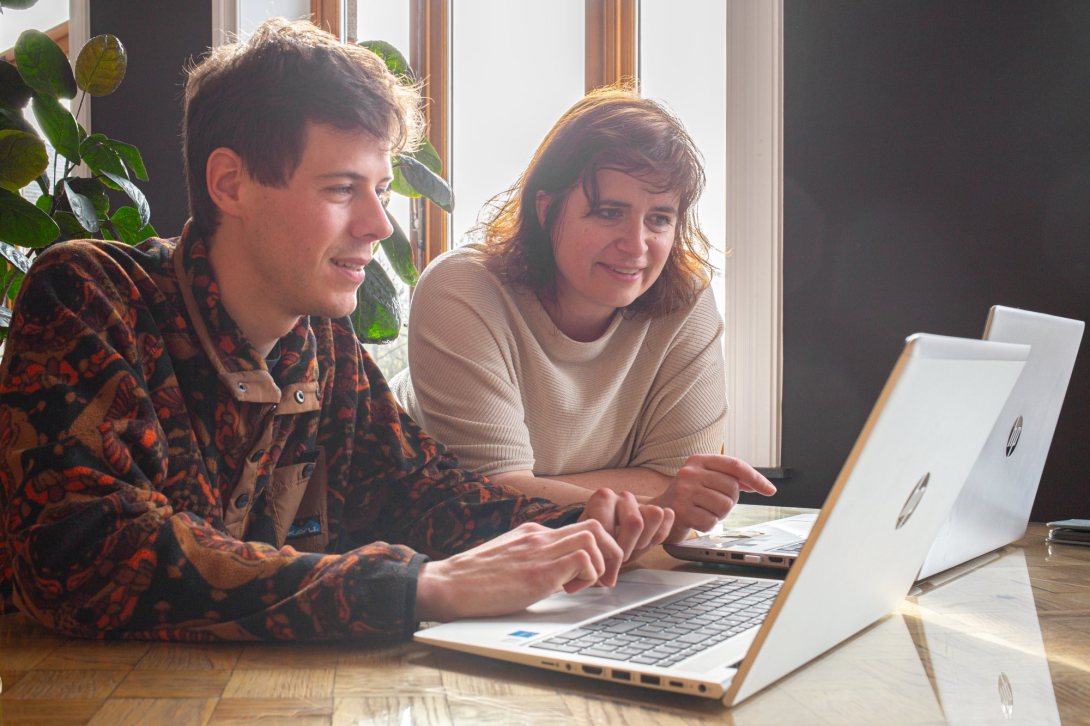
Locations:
636 527
706 489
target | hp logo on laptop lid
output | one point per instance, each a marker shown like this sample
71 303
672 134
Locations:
1015 434
913 500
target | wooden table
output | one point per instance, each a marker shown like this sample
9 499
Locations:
1024 614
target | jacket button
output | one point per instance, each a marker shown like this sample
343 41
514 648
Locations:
257 455
242 501
308 470
300 396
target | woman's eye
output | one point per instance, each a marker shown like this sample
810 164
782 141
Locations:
608 212
662 221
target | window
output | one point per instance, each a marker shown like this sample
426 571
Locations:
492 89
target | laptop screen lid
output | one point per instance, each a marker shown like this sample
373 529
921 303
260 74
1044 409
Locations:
903 474
994 507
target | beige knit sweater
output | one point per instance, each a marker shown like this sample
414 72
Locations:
493 378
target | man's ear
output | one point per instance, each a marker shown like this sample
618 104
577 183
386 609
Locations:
542 201
225 175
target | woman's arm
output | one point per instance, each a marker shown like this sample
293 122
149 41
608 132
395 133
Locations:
571 488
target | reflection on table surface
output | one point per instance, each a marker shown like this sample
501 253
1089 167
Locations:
1005 638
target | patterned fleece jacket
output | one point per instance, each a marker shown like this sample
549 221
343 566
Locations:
159 481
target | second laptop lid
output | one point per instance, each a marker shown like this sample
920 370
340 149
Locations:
994 506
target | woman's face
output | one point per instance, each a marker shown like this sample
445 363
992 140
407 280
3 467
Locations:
608 257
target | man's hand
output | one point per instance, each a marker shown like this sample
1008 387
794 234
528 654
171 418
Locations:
706 489
515 570
636 527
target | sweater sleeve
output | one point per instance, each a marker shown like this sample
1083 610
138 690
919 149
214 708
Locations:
686 410
463 383
96 548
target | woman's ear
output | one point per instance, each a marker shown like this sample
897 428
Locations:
224 175
542 201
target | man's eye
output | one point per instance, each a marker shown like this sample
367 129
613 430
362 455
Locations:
342 191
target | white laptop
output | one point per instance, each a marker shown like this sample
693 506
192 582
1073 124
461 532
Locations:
729 637
994 506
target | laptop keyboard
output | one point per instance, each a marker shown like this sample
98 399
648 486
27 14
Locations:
669 630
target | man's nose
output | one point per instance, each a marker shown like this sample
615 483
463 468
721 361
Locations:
370 220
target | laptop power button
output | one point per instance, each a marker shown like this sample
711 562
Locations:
753 559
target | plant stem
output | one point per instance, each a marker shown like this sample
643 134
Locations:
11 281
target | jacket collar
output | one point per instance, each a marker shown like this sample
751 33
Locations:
238 364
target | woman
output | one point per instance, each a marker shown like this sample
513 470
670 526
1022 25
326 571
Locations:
578 346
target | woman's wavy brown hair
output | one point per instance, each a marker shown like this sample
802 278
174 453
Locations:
611 128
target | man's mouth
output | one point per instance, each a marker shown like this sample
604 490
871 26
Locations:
349 265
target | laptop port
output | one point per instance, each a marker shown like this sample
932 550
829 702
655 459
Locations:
721 554
550 664
677 684
777 560
653 680
622 675
736 556
592 670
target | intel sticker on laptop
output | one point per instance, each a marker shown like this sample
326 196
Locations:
519 637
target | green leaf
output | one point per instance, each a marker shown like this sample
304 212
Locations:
135 195
101 159
22 158
401 185
14 120
426 155
43 65
101 65
44 202
131 156
70 227
127 222
58 124
82 208
400 253
24 225
94 190
393 59
14 92
15 257
425 181
17 4
377 318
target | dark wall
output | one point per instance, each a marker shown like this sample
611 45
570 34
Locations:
937 162
146 110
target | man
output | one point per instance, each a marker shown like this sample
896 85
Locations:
194 444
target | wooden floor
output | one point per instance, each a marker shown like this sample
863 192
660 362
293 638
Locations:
1024 614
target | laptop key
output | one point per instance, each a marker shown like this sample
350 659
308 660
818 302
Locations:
623 627
646 660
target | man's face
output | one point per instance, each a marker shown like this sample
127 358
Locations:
308 242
